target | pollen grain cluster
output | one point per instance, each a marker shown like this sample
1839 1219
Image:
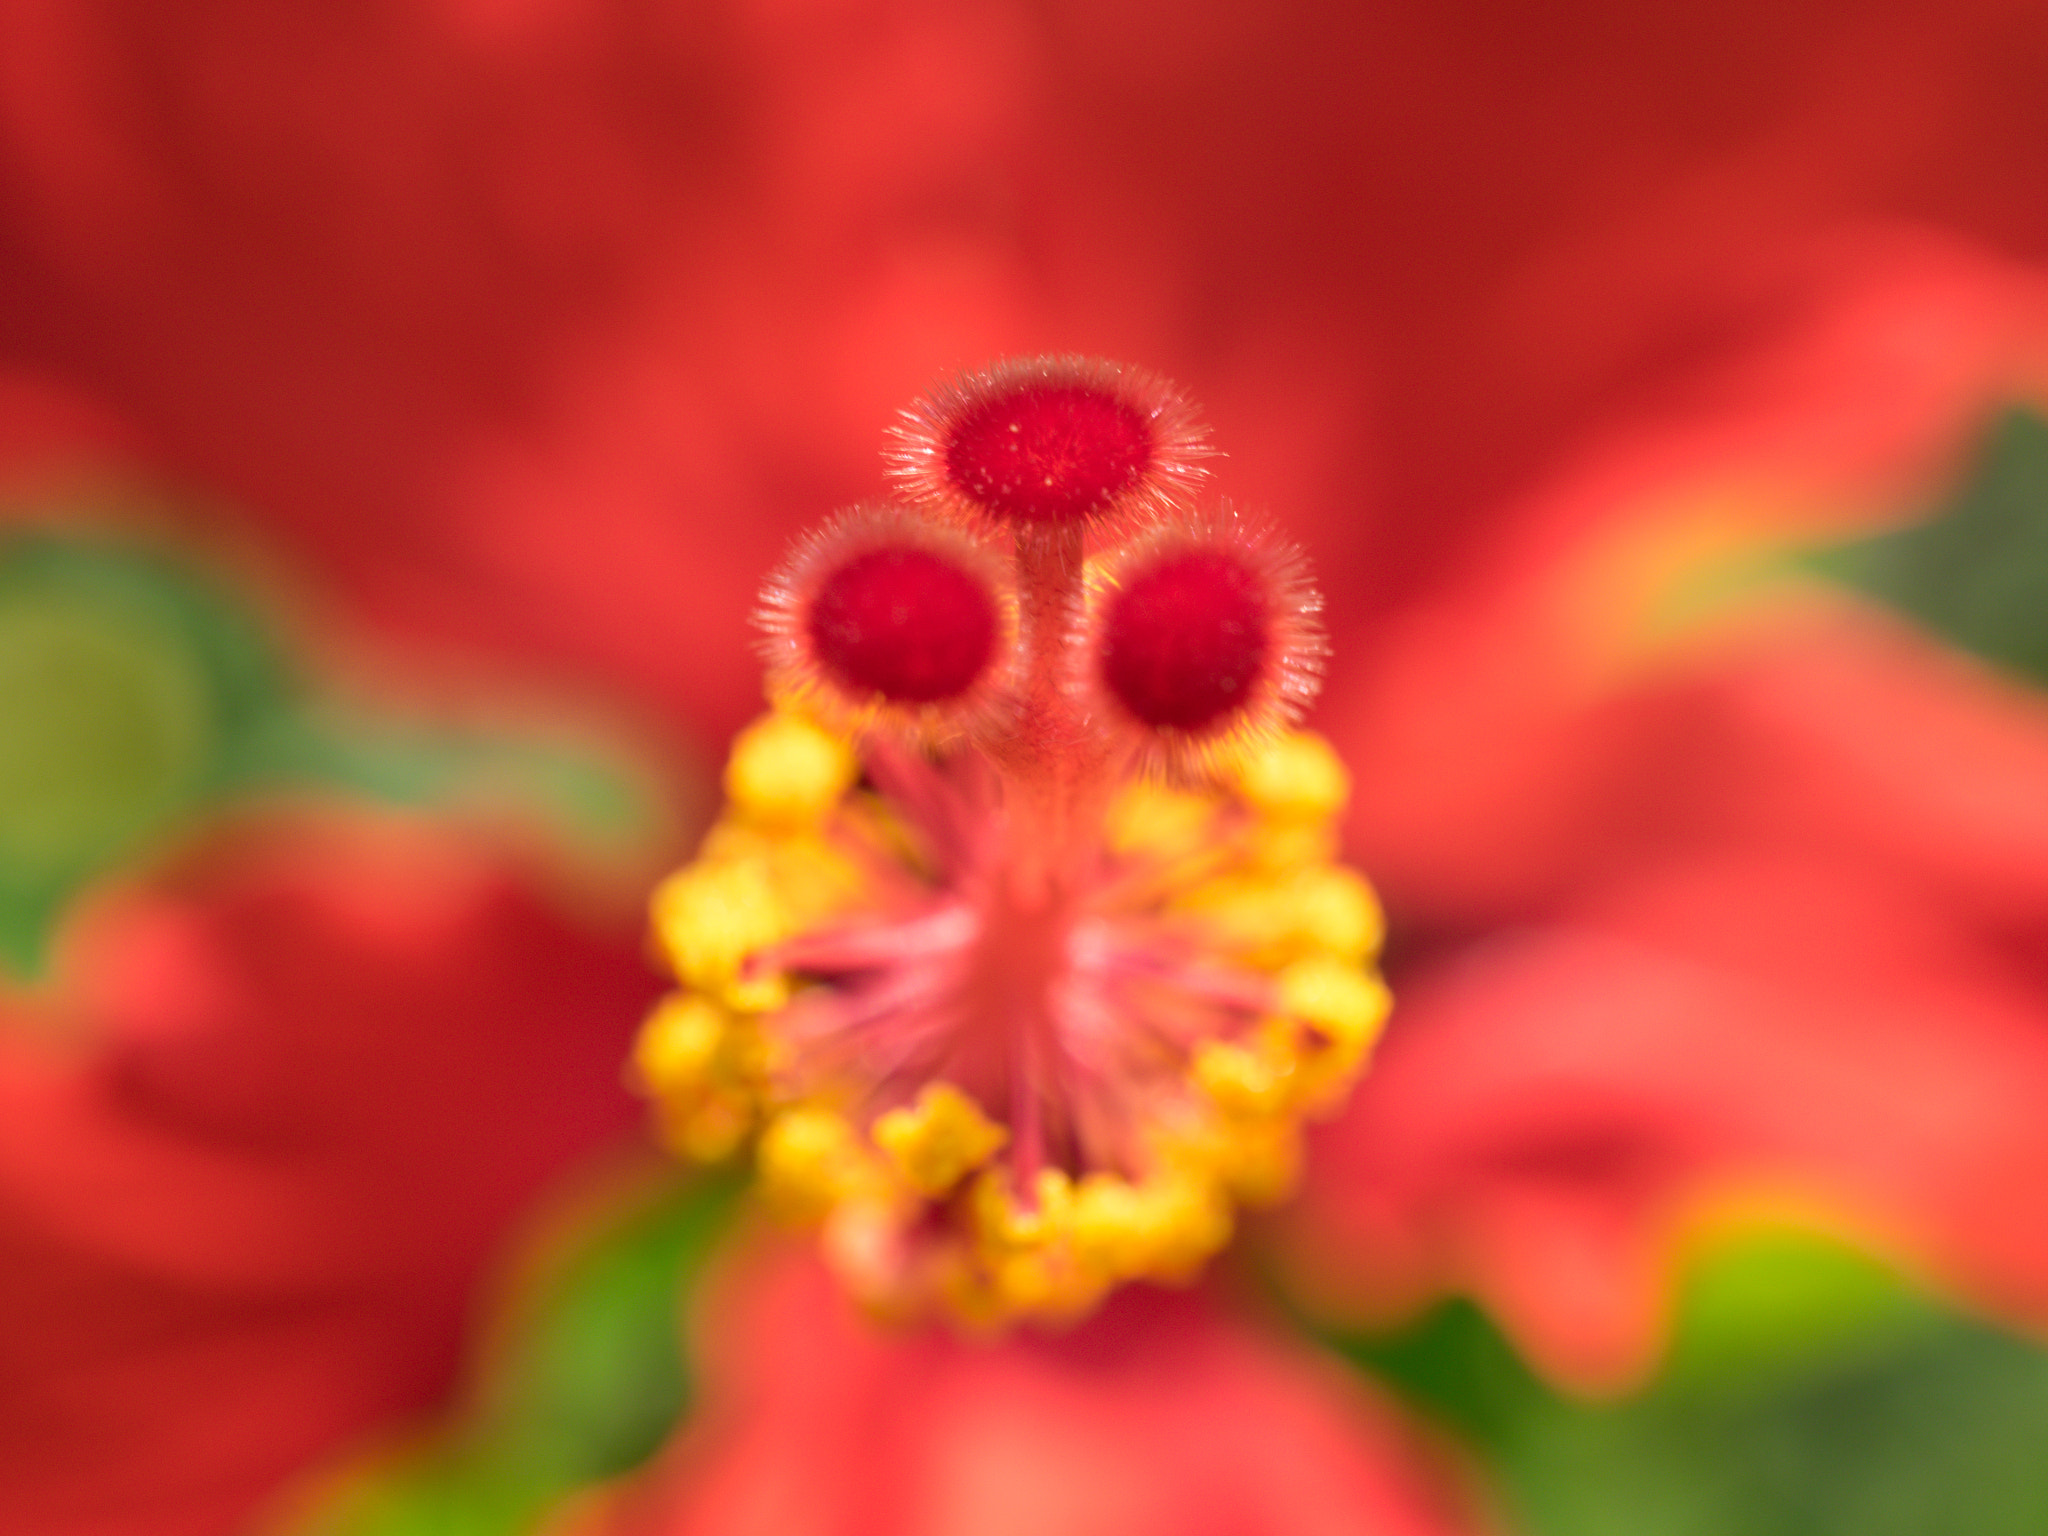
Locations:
1020 952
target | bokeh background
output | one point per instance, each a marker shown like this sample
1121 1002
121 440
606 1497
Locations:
399 404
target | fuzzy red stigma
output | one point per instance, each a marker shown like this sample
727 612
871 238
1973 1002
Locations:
1049 453
1050 444
1203 637
1184 640
903 623
884 620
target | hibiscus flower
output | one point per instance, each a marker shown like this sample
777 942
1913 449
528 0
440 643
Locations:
537 330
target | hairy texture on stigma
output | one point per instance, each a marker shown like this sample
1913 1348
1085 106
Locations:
1049 442
1048 453
1011 1017
1188 636
882 618
1204 637
904 624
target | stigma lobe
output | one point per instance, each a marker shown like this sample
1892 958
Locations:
1051 443
1205 637
884 620
1049 453
903 623
1185 639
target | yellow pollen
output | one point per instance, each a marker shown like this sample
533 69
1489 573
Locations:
679 1043
702 1066
1242 1080
939 1141
1274 918
812 1160
1259 1158
711 918
1165 1227
1347 1003
1114 1225
1155 818
1295 777
1010 1223
785 769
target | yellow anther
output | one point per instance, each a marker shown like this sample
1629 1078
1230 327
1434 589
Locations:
1295 777
1048 1282
702 1066
1149 817
1007 1222
1344 1010
1189 1219
1246 913
1344 1002
1281 846
1338 912
787 770
938 1141
710 917
1025 1280
1243 1080
810 875
1162 1228
1028 1252
1115 1227
678 1044
1273 918
811 1159
707 1130
963 1284
1259 1159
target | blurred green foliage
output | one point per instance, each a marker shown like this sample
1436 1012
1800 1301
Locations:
585 1380
1976 572
132 691
139 692
1807 1392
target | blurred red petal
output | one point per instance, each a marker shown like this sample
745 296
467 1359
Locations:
1159 1415
327 1064
1809 969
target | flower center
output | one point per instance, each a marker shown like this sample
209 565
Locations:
1019 1001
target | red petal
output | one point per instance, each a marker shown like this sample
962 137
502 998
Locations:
328 1066
1157 1416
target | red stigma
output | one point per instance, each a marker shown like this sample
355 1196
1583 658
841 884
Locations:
1049 453
1185 638
903 623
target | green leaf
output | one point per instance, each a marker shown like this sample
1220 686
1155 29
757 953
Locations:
1454 1365
1782 1301
1977 571
1809 1392
132 691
